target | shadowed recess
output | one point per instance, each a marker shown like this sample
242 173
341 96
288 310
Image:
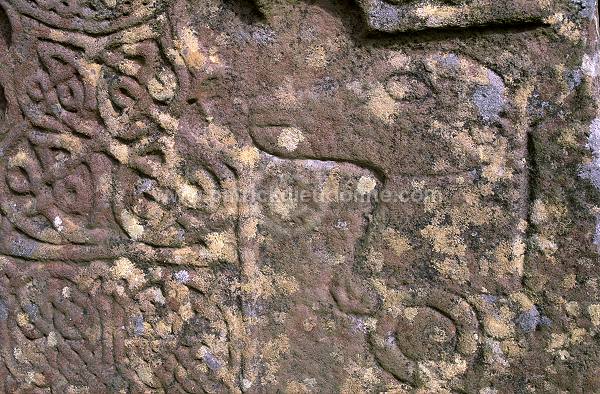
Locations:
246 10
5 31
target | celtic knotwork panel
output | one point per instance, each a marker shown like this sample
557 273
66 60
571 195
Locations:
109 329
99 163
110 170
95 16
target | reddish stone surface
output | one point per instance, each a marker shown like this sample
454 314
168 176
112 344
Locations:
313 196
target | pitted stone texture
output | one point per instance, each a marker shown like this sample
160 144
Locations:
220 196
103 329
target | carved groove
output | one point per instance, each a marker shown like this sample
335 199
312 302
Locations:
3 104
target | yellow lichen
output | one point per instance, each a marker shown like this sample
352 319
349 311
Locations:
399 60
282 203
137 34
223 245
375 260
162 87
381 104
119 152
316 57
166 121
366 185
437 15
396 242
455 269
248 156
497 327
129 67
188 46
290 138
125 269
22 319
445 239
188 195
130 223
272 352
594 312
392 299
221 134
286 95
91 72
523 300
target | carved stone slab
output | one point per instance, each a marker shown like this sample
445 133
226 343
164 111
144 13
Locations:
301 197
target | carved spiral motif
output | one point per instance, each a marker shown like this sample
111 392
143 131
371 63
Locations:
435 326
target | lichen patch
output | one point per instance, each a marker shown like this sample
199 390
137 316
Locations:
289 138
